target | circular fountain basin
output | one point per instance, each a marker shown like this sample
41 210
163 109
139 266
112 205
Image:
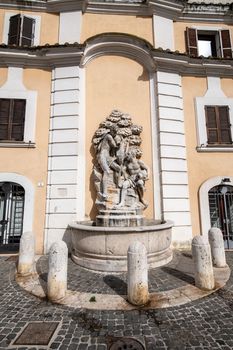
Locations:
105 248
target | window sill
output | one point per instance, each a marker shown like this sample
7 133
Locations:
214 149
5 144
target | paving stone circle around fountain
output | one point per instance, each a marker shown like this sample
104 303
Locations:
119 175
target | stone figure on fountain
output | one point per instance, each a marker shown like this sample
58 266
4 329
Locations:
119 173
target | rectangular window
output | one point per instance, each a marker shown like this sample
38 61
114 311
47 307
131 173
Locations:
218 125
12 117
21 30
216 43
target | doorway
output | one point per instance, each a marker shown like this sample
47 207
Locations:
221 211
12 198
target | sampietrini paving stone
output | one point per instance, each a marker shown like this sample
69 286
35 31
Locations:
181 269
202 324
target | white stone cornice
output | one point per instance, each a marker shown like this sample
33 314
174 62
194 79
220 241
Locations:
120 45
41 58
116 44
180 10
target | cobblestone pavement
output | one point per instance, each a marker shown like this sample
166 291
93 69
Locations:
160 279
203 324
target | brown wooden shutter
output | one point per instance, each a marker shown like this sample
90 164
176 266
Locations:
18 118
191 41
224 123
211 124
4 118
27 31
226 43
14 30
218 125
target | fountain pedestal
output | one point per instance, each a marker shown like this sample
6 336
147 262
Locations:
105 248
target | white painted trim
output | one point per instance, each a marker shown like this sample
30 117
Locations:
204 200
207 28
29 197
213 97
163 33
119 44
70 27
6 25
155 150
214 149
14 88
81 159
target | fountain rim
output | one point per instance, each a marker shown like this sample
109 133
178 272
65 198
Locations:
88 225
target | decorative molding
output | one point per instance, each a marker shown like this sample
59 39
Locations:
173 9
17 145
50 56
66 170
121 45
173 170
214 149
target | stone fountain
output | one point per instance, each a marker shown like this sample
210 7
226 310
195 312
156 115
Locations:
119 175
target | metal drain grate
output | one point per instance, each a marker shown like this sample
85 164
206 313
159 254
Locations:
37 333
126 344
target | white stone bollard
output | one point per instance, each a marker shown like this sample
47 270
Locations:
26 262
217 247
137 274
204 275
57 275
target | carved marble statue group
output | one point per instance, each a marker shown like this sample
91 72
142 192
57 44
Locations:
119 173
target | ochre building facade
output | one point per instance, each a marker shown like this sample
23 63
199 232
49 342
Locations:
64 66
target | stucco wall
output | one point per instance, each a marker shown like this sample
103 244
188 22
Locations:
32 162
117 83
93 24
201 165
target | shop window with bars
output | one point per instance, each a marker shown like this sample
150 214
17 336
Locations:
218 125
12 117
21 30
216 43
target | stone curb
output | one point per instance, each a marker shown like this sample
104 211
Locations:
158 300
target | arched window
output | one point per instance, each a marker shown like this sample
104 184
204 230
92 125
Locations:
221 211
12 197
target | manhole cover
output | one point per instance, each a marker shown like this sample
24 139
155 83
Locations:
126 344
37 333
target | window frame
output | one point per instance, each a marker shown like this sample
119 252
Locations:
218 128
213 97
15 89
216 32
37 26
10 120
